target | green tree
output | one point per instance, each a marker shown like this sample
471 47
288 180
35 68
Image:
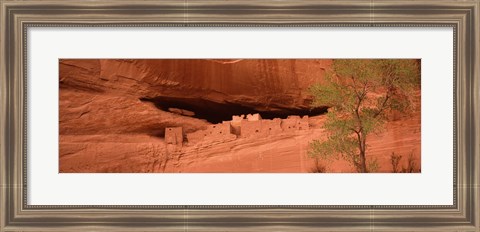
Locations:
360 93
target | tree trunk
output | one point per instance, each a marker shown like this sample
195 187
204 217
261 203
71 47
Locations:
363 160
363 163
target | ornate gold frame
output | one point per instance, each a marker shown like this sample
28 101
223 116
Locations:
17 16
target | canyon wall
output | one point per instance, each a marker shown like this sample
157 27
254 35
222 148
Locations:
112 91
254 83
113 115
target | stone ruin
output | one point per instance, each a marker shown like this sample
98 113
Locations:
251 125
217 132
174 136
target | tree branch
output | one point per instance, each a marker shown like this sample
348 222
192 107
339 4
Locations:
355 86
384 103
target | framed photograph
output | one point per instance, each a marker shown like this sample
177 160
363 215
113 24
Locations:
239 116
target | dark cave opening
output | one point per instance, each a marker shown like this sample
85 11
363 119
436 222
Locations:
215 112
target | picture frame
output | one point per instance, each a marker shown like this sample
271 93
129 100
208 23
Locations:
17 16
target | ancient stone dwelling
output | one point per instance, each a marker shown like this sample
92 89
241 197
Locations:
174 135
238 127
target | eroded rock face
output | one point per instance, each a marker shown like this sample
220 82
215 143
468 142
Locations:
264 85
121 96
90 113
113 115
279 153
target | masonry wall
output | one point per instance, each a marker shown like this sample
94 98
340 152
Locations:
293 123
251 126
216 132
174 135
302 124
272 127
236 125
289 124
254 117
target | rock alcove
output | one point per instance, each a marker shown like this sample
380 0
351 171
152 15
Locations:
215 112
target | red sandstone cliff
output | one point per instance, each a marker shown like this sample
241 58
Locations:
110 120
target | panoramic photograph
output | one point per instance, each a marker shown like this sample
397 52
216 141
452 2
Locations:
240 116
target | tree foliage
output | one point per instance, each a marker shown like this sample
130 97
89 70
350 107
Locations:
360 93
